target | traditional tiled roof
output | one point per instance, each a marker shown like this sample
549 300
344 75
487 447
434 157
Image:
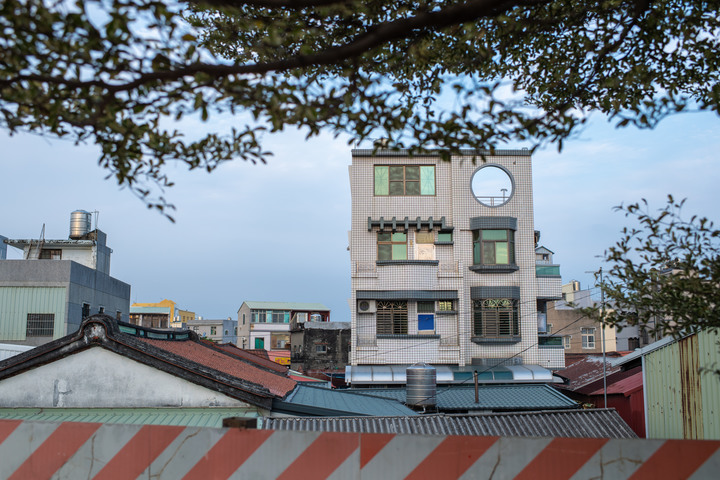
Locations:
224 362
339 402
176 352
593 423
252 356
490 397
260 352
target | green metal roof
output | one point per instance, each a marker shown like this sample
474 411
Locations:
286 306
344 402
491 397
188 417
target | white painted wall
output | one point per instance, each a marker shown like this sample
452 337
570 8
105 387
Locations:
99 378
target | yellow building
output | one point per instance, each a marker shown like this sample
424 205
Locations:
164 314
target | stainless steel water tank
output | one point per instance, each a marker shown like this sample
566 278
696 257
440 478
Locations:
80 224
421 385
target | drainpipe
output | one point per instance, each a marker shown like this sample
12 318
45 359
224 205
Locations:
475 376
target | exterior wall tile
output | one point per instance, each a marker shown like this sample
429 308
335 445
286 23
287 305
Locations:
455 202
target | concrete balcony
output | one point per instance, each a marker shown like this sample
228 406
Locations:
549 282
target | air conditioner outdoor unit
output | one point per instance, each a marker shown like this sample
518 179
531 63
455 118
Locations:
366 306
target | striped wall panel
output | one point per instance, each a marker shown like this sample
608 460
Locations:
98 451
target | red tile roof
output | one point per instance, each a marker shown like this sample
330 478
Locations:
197 352
259 352
250 356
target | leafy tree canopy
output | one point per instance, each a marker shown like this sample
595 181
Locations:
665 272
435 73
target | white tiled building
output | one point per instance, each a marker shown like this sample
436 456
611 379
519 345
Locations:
443 261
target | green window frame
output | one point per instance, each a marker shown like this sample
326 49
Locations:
392 246
495 318
445 237
404 180
494 247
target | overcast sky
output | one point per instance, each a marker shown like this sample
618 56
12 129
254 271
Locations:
278 232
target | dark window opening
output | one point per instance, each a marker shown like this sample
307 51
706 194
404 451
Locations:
50 254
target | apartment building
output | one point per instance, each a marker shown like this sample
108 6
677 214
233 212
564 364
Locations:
443 261
266 325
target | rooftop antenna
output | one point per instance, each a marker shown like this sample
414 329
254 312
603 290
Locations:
36 255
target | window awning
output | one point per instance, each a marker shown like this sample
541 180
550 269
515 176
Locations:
419 223
406 295
396 374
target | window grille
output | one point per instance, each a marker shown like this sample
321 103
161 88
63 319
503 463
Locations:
495 317
40 325
392 318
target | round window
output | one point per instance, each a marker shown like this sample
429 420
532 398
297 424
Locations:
492 185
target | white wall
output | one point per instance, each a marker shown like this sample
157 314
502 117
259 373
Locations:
99 378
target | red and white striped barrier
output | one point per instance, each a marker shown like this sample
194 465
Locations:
37 450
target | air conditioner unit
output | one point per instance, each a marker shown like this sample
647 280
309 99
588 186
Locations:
366 306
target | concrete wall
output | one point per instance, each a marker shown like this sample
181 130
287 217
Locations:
336 342
80 283
569 322
93 450
244 321
96 377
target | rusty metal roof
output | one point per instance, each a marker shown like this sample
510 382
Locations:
593 423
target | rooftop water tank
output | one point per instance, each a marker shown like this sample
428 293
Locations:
421 385
80 224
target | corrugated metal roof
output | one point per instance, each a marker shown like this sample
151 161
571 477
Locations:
287 306
491 397
351 403
189 417
586 371
625 386
595 423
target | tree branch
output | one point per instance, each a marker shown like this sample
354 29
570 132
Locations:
383 33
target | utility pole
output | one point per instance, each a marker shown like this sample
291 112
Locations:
602 326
